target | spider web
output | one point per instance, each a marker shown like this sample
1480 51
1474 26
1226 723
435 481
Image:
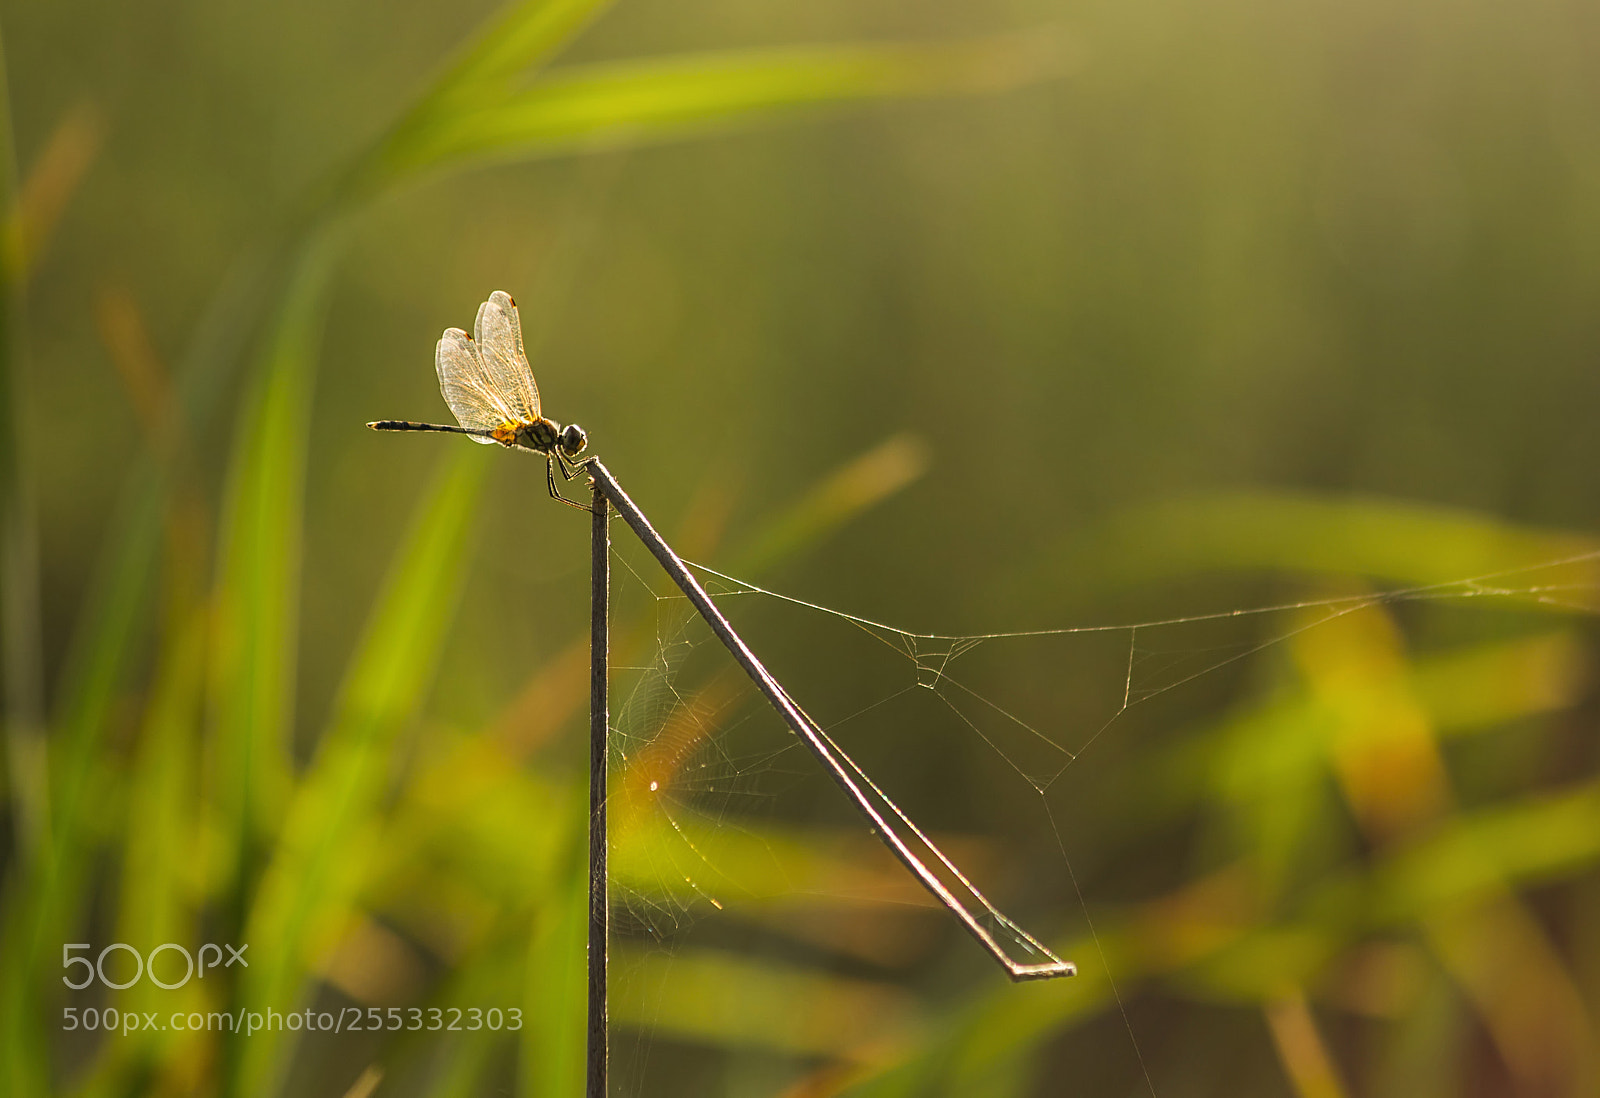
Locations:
739 873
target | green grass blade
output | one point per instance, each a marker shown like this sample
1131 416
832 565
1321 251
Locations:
519 40
20 644
25 764
1535 839
721 998
312 878
253 643
524 37
854 487
995 1026
163 851
556 985
617 104
1393 540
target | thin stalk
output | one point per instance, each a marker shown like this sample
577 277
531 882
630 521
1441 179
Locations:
599 723
982 919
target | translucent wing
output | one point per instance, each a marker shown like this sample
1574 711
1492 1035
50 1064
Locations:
498 335
466 386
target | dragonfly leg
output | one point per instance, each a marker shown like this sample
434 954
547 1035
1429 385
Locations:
550 477
570 468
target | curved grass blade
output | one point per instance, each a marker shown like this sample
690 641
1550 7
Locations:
854 487
632 103
523 38
519 40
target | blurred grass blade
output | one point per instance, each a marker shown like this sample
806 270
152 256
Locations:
126 338
312 878
524 37
556 985
253 643
519 40
631 103
22 1052
1477 855
20 636
988 1030
164 849
848 491
1301 1048
725 998
50 184
1392 540
1483 686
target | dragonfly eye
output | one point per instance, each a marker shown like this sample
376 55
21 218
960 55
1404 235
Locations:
573 440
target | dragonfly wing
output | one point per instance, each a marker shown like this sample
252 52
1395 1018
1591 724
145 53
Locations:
498 334
466 385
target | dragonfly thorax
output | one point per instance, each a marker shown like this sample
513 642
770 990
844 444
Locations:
542 435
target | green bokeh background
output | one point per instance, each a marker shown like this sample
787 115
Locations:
1136 310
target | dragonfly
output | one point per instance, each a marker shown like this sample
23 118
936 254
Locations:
489 387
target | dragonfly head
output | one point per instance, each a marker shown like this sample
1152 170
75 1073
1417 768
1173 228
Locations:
573 440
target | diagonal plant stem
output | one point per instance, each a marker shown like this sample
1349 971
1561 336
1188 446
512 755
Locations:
1018 952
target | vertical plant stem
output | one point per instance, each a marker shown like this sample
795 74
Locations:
599 722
